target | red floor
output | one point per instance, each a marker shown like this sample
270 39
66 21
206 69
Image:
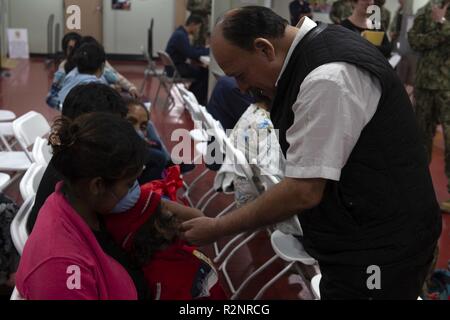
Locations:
27 87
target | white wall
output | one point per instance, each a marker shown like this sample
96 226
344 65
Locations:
33 15
125 32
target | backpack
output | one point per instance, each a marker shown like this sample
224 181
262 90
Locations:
9 257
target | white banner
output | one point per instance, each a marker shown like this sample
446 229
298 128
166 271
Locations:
18 46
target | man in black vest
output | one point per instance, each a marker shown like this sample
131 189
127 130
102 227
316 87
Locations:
356 172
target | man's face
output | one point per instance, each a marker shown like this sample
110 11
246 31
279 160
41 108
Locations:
257 69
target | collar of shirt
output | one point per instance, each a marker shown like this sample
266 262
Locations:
304 26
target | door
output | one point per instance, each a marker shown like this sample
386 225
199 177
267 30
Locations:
91 17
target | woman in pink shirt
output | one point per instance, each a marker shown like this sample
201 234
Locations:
100 157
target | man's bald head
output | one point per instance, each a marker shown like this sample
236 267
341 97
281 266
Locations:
243 25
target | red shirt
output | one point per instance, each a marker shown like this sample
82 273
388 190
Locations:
181 272
62 260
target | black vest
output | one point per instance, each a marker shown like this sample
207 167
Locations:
384 208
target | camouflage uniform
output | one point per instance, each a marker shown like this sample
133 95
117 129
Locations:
201 8
432 41
341 10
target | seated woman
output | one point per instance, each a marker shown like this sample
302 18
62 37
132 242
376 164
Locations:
157 157
99 156
149 230
359 23
90 62
70 43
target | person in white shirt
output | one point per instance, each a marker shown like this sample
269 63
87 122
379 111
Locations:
355 165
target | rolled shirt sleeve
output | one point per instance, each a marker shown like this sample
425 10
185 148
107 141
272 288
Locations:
336 101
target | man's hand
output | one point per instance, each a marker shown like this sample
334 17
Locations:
201 231
438 14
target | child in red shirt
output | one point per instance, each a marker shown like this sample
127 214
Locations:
173 269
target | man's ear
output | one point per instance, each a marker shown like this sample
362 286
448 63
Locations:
97 186
265 47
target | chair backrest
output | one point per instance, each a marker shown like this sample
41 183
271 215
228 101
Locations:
28 127
19 233
167 61
150 39
50 24
31 180
42 152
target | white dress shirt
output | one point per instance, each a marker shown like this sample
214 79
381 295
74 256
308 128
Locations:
336 101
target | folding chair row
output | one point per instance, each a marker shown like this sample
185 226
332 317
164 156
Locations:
285 246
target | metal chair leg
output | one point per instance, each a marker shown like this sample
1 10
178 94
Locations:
258 271
271 282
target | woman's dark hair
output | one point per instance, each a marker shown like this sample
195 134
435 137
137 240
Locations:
71 36
242 26
93 97
135 102
89 58
152 237
71 62
96 145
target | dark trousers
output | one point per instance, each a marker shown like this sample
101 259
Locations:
200 85
399 281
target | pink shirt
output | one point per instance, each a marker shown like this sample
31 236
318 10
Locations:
62 260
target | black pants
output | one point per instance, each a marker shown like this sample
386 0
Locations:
399 281
200 85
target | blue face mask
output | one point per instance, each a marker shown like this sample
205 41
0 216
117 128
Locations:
129 201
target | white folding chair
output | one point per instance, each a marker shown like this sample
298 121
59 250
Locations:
7 116
285 246
31 180
6 136
26 129
19 233
42 152
167 82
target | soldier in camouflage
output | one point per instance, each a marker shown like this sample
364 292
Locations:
341 10
201 8
430 36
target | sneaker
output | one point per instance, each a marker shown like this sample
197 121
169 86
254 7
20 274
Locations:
445 206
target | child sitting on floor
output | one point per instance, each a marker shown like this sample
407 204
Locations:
173 269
